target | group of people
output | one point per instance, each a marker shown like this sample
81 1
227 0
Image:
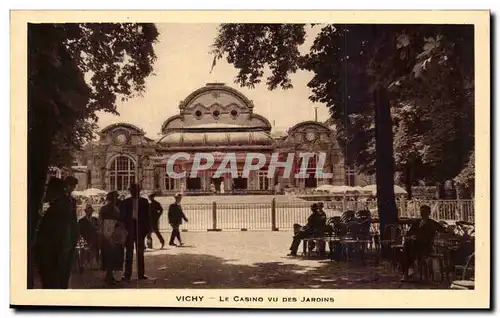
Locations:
418 241
122 225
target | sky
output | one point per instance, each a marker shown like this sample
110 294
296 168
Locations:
183 65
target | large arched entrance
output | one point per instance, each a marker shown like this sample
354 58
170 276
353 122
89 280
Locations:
121 173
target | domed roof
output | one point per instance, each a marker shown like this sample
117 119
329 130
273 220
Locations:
216 107
216 138
216 93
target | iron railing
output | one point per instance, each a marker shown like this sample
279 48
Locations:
213 216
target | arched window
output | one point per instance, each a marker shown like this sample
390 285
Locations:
121 173
311 181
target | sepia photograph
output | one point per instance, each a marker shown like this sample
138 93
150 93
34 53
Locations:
252 163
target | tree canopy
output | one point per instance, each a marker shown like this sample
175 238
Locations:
406 87
428 70
75 70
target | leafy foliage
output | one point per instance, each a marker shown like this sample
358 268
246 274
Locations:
467 175
116 58
252 47
67 144
427 68
119 56
62 104
433 105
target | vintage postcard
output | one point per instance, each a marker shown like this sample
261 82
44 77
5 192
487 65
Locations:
252 159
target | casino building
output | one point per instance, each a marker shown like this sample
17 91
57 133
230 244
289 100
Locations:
217 119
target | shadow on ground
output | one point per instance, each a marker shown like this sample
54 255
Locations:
184 270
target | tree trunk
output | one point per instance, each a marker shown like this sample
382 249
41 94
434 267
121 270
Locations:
40 134
408 181
386 202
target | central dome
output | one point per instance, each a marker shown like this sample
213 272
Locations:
215 94
214 106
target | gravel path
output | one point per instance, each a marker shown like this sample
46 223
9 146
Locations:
247 260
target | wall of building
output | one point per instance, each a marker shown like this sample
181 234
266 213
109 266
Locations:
198 108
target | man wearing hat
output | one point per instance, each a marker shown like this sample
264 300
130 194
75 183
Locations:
175 217
156 211
135 214
315 223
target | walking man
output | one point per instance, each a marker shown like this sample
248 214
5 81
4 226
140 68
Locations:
135 211
156 211
175 217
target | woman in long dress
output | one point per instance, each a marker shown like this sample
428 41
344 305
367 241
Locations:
112 230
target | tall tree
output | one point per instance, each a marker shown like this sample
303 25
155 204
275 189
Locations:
369 76
340 59
75 70
433 102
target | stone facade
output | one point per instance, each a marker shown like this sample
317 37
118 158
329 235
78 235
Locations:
216 119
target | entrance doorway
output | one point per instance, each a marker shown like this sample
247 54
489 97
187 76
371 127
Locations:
311 181
240 183
217 182
193 184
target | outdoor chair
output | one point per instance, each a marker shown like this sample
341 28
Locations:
467 280
394 243
426 264
309 244
351 242
348 246
316 240
443 246
363 233
460 258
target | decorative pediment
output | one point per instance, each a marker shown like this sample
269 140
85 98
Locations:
216 104
310 132
123 126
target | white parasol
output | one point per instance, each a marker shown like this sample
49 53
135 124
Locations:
92 192
373 189
337 189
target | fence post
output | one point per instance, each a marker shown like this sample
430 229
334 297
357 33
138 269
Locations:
273 215
461 210
214 216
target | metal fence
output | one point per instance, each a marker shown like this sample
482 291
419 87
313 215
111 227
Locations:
272 215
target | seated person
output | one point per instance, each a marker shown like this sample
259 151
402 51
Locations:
420 238
88 229
337 229
315 224
364 220
348 216
348 222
